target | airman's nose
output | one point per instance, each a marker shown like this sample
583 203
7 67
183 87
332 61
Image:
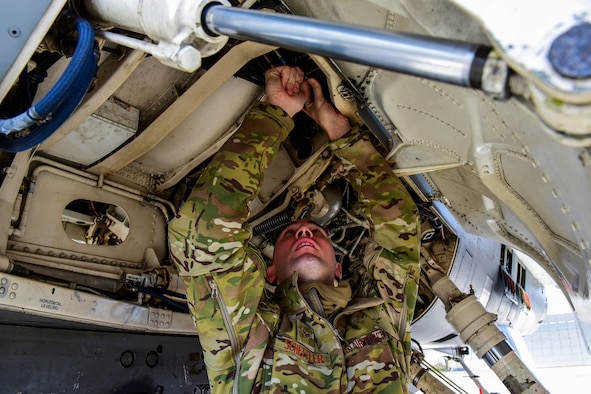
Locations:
304 232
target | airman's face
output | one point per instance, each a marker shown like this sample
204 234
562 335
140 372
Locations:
305 248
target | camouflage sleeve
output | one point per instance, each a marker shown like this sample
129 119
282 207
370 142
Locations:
393 265
224 278
386 202
209 227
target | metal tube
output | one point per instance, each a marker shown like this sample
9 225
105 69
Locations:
427 381
444 60
477 329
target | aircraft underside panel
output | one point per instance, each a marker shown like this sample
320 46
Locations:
510 175
47 357
503 172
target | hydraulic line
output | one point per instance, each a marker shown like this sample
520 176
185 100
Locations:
180 22
477 329
450 61
60 102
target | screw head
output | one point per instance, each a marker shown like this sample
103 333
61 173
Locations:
14 31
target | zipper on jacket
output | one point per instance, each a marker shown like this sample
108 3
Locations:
229 328
403 317
339 341
334 331
402 322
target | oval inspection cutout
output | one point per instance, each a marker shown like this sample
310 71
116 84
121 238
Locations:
95 223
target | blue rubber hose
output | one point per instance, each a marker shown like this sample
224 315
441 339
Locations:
62 113
60 102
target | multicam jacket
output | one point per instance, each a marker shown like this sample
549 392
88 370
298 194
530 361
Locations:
259 342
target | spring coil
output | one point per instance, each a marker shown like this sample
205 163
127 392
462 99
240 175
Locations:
273 223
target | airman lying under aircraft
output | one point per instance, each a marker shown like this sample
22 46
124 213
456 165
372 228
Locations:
112 109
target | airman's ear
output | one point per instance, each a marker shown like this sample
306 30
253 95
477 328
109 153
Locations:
271 274
338 271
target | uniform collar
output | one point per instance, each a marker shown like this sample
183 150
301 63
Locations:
318 297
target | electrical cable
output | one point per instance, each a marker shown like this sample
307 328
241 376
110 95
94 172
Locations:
159 294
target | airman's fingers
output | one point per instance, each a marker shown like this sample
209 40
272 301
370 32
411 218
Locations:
317 91
306 90
291 79
272 75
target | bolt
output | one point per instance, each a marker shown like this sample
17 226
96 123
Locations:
187 58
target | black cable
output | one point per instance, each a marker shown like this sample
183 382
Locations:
157 293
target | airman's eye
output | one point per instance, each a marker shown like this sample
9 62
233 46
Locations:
289 232
316 231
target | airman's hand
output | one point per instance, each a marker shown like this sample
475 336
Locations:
284 88
334 123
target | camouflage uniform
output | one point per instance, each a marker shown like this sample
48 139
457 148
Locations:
255 341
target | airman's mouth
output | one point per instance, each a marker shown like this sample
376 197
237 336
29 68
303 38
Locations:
304 244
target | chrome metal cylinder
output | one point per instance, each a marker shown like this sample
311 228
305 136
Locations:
455 62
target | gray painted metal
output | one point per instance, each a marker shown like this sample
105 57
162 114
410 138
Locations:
49 357
16 27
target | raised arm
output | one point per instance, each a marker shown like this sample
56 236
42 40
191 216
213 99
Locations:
392 260
388 206
209 227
